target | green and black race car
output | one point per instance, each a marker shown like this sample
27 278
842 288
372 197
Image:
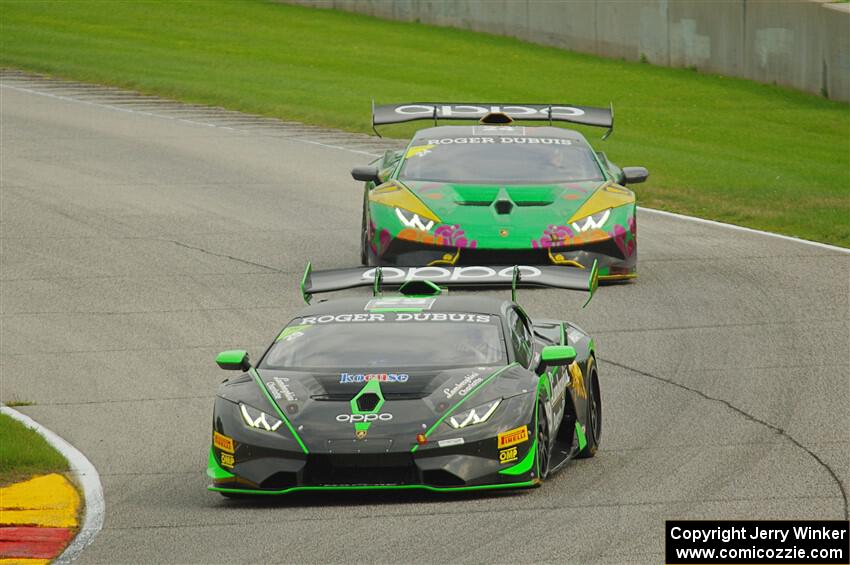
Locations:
422 390
496 193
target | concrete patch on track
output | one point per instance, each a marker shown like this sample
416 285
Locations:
136 245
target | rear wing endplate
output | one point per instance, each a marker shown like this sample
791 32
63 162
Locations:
408 112
548 276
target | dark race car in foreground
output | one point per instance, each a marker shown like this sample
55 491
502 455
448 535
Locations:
499 193
420 390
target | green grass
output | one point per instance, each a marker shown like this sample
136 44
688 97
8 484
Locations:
23 452
722 148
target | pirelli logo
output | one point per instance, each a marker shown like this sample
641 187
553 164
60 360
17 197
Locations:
513 437
223 442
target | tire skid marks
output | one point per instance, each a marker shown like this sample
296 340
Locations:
219 118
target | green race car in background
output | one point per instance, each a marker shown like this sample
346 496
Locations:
496 193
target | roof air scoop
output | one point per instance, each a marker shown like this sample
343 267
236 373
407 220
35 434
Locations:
420 288
499 118
504 205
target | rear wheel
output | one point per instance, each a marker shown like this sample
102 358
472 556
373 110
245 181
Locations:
542 443
593 431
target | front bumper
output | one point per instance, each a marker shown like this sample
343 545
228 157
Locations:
245 460
612 263
441 469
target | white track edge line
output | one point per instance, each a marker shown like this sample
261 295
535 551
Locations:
745 229
311 142
86 476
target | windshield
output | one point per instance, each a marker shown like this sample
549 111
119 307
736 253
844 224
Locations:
500 160
473 340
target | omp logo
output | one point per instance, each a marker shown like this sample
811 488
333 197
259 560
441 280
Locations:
353 418
507 455
227 460
438 274
462 110
513 437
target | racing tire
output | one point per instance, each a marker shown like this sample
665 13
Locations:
364 239
543 454
593 433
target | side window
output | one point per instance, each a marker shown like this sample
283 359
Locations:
615 171
520 338
388 163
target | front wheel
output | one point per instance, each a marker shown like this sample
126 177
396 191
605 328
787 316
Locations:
542 443
593 432
364 238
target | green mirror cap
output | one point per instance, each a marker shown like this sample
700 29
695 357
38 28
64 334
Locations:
304 294
552 353
593 281
233 360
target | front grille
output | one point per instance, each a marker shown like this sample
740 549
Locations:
360 469
441 478
280 481
503 257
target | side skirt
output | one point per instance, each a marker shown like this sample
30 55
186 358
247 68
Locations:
562 453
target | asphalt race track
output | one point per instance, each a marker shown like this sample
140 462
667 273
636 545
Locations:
140 237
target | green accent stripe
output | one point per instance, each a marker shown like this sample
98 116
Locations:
462 400
214 470
563 334
582 441
280 413
523 484
525 465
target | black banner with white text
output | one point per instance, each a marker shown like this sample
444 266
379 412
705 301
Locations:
744 542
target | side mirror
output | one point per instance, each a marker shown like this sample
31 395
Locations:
233 360
366 174
634 175
557 356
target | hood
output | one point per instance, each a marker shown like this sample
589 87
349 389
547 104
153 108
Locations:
342 385
319 405
515 216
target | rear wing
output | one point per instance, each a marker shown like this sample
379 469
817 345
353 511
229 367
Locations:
412 111
550 276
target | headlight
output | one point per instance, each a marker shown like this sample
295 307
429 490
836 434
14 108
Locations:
594 221
477 415
258 419
407 205
412 220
